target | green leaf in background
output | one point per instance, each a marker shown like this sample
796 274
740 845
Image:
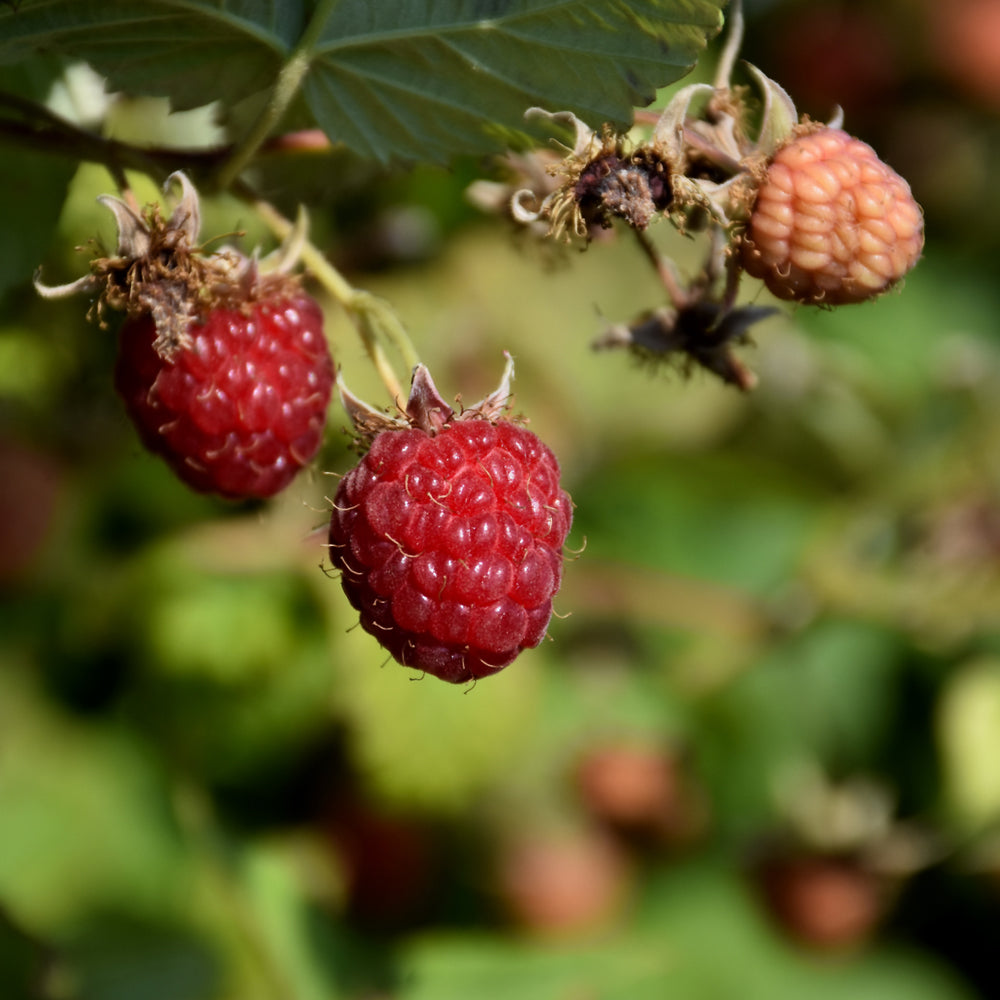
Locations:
273 883
968 727
113 957
673 950
460 967
838 675
84 818
32 184
230 629
698 912
389 80
21 959
429 747
700 531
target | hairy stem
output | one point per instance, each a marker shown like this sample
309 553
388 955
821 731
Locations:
370 315
724 71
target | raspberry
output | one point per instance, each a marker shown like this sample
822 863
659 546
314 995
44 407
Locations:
831 223
239 409
449 540
222 363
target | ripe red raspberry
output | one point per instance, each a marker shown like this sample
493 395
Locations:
831 223
222 364
448 535
241 408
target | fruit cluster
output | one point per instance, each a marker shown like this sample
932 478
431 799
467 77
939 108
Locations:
448 534
806 208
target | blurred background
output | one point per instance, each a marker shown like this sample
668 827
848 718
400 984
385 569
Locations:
760 756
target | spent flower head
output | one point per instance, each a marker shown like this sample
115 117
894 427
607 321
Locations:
160 270
604 176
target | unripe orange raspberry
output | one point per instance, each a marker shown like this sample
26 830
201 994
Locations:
831 223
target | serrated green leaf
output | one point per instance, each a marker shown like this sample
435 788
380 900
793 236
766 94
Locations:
406 80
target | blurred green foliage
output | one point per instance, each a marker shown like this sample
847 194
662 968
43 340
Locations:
213 786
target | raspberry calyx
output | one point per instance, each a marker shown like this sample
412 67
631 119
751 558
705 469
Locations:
158 270
448 533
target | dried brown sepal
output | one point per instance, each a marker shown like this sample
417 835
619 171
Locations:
159 269
701 333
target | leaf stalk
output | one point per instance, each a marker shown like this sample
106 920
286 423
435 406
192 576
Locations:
285 88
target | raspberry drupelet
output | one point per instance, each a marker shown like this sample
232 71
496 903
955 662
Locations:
241 408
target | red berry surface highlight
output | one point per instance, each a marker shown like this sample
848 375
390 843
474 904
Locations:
240 409
831 223
450 544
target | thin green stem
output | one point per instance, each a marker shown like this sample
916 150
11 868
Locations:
370 315
390 326
734 39
327 275
282 94
368 330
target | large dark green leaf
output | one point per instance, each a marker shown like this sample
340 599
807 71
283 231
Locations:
423 79
405 79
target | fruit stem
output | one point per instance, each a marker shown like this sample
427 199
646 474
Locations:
286 86
732 286
386 321
370 315
665 269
